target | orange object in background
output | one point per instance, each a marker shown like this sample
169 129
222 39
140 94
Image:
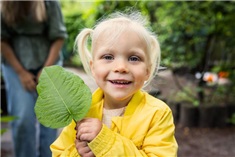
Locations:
223 74
210 77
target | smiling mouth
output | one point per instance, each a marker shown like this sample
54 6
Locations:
121 82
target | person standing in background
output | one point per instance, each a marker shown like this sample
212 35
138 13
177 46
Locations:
32 35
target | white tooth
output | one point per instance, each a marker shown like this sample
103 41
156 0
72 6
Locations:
120 82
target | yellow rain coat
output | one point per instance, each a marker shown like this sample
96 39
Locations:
146 129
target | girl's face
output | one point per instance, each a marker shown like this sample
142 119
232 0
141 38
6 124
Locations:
120 67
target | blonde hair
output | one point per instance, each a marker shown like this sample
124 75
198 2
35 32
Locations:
117 23
15 11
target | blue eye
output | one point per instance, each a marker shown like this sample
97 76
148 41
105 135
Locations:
108 57
134 59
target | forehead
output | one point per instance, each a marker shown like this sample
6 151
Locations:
111 31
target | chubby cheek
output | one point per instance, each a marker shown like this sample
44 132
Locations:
140 79
147 71
144 75
98 72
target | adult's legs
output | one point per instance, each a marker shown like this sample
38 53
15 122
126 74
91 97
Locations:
21 104
47 137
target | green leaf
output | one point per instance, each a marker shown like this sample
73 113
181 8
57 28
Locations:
3 131
8 118
62 97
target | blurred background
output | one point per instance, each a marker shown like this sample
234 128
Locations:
197 41
197 78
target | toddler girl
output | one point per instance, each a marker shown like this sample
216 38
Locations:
123 120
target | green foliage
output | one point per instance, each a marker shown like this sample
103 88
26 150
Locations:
232 119
77 15
193 34
6 119
63 97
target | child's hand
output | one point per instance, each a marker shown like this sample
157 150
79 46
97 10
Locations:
83 149
88 129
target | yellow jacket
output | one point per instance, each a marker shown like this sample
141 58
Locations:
146 129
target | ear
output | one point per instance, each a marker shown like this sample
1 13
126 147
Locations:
147 74
92 68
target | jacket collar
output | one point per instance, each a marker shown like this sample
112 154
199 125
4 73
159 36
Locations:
97 103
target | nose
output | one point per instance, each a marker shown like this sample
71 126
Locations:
121 66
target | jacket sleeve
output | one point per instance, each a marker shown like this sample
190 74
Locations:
64 146
159 141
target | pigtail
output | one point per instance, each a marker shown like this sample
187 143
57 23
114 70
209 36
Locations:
81 45
155 57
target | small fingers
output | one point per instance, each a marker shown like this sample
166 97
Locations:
86 137
83 149
89 154
80 144
84 134
88 129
